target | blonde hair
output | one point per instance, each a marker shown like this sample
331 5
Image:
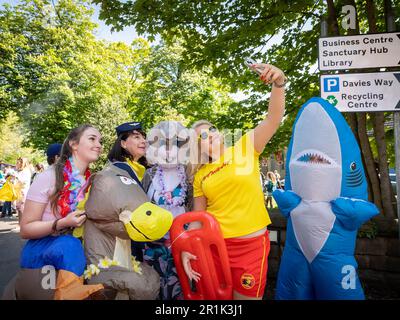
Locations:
24 163
196 161
272 176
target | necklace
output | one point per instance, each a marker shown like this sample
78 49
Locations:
171 200
75 187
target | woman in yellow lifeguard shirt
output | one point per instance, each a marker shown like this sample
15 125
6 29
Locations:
228 186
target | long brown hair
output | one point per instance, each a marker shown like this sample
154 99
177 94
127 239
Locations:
66 152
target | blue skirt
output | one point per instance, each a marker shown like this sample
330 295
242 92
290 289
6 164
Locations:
63 252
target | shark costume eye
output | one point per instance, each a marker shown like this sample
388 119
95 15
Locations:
127 181
353 166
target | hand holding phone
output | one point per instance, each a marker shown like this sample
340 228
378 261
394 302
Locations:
254 66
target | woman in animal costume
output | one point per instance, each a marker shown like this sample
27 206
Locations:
325 202
117 211
227 185
167 185
130 147
49 215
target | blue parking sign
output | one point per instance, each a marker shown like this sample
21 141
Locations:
331 84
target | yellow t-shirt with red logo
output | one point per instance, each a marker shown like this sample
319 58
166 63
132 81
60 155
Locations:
233 190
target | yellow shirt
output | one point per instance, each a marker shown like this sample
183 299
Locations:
137 167
233 190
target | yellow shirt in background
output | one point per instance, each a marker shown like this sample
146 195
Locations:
233 190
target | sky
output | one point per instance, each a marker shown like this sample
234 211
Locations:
103 31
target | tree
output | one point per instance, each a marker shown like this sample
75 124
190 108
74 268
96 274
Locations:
218 34
13 142
56 75
167 87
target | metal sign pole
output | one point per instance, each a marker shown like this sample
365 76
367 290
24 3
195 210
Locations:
396 124
391 26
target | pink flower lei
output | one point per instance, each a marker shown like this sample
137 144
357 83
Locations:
171 201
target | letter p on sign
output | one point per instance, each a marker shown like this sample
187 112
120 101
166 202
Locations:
331 84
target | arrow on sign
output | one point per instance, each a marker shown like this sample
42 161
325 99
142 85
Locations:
398 35
397 75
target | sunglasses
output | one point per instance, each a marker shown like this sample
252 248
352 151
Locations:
206 133
160 142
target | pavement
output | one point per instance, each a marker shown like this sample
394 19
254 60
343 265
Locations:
10 250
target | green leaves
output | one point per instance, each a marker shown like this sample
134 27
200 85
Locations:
56 75
216 36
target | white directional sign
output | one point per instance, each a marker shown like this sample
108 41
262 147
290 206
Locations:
361 51
362 92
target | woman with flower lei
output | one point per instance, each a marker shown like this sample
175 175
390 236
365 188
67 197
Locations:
51 213
167 186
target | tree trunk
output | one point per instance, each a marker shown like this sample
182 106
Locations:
332 18
357 122
374 192
369 160
390 26
378 122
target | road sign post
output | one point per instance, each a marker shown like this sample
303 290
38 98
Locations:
391 26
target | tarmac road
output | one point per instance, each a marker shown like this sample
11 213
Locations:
10 249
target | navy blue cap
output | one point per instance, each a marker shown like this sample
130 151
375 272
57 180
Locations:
128 126
53 150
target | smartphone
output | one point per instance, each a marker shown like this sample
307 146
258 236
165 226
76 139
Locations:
249 62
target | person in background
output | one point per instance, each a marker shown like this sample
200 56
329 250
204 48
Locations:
278 179
271 185
23 176
9 170
53 153
38 169
2 178
8 196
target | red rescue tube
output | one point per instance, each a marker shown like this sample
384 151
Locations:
207 244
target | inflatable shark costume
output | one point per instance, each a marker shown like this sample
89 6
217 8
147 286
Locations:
325 202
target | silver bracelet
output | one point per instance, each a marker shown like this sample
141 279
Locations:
281 85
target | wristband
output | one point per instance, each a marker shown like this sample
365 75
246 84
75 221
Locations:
281 85
54 227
